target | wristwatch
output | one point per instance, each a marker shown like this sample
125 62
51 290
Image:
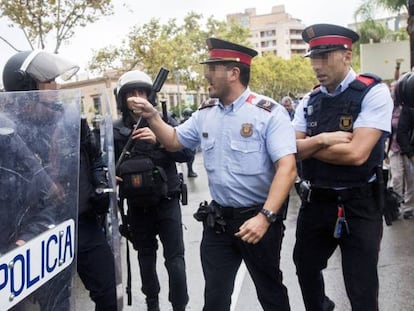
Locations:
270 216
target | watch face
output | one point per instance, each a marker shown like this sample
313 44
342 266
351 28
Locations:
271 217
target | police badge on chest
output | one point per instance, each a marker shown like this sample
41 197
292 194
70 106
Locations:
346 122
246 130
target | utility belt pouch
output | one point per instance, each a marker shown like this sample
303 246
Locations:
303 189
388 200
142 178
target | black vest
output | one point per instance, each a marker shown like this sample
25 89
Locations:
141 149
338 113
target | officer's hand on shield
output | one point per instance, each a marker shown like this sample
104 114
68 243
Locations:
253 229
56 192
20 242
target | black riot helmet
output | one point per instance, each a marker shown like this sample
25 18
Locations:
187 112
25 69
131 80
404 90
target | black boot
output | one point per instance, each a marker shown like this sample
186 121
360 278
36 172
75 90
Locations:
153 304
192 174
328 305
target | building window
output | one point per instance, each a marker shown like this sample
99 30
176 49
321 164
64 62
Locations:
295 31
97 104
268 33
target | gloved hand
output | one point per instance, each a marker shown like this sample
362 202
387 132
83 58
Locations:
100 199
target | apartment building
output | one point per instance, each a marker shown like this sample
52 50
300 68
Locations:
277 32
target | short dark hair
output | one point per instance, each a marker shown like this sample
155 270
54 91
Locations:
244 71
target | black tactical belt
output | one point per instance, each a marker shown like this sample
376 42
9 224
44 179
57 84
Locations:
327 194
237 212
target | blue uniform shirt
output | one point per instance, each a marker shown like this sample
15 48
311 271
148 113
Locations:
240 144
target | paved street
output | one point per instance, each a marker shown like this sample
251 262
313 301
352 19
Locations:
396 267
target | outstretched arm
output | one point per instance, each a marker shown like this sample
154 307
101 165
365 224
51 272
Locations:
165 133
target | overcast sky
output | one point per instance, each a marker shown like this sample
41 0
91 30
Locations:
111 30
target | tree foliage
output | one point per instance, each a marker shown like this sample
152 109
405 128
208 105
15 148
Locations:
369 29
42 19
393 5
178 47
181 47
277 77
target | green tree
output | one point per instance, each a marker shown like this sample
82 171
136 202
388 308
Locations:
40 20
371 30
178 47
277 77
398 7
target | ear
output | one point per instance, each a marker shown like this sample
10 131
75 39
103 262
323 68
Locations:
347 56
234 73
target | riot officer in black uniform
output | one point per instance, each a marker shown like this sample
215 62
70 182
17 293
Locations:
37 70
27 195
151 186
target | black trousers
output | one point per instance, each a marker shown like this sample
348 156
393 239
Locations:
315 244
95 265
221 256
165 221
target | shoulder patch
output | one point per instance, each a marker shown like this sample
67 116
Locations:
363 81
266 105
369 78
209 103
250 98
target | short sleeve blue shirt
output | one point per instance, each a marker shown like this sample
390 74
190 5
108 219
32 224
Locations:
240 144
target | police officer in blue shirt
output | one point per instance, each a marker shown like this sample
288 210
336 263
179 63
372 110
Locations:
249 148
340 129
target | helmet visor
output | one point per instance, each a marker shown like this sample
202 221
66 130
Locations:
46 67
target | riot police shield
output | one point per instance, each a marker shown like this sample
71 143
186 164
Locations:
103 132
39 155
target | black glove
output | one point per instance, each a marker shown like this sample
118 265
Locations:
100 199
